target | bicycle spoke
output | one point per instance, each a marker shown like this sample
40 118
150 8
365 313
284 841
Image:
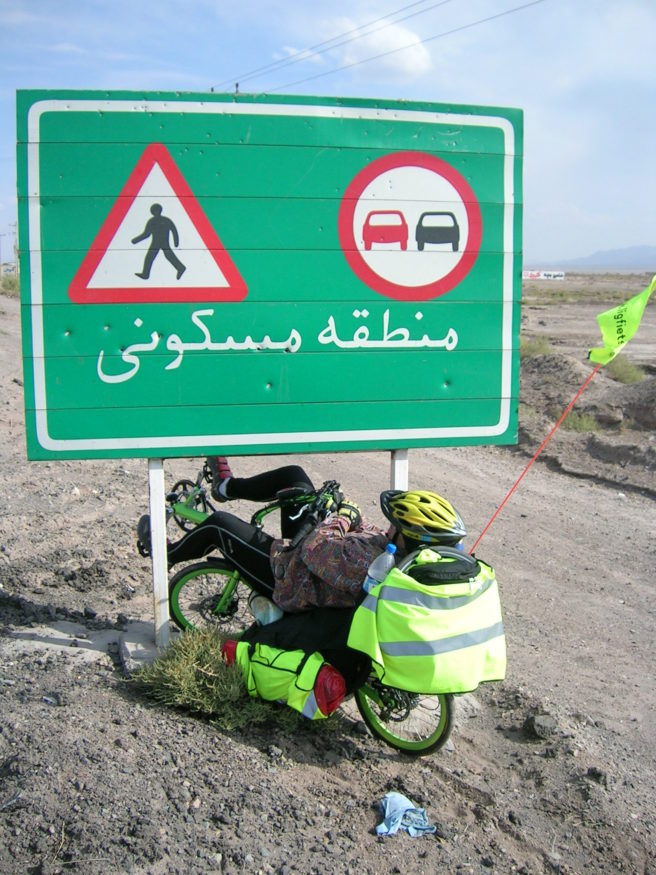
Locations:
414 723
208 595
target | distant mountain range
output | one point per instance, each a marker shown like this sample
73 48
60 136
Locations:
638 258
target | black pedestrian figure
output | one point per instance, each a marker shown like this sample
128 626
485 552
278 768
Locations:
159 228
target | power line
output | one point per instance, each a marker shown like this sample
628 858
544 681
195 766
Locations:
305 54
404 48
326 45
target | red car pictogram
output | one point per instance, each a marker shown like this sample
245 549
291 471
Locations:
385 226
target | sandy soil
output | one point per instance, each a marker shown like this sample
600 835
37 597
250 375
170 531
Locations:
96 779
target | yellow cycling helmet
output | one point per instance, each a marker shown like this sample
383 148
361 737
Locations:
423 516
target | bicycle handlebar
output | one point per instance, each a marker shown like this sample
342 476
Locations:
327 497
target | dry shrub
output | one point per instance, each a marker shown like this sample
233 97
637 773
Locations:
191 674
534 346
624 371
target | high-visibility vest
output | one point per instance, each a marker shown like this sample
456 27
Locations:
442 638
281 676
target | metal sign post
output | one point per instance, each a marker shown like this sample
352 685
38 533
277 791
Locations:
399 469
158 551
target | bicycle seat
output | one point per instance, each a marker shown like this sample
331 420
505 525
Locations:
293 492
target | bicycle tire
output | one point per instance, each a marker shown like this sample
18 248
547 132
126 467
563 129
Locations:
196 592
410 722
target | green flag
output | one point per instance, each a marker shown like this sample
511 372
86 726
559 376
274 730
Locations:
619 325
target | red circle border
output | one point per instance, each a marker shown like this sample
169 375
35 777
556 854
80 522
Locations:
347 239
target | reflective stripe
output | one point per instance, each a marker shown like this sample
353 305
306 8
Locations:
431 602
444 645
310 707
422 600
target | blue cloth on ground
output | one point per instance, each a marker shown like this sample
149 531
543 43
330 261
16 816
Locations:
400 813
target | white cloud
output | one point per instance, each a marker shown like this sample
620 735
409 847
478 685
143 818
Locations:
292 53
65 49
16 15
391 47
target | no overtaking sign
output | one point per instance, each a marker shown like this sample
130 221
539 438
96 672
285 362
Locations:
266 275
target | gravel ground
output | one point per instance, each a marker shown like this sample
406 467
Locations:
551 771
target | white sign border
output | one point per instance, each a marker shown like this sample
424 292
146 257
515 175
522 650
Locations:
42 107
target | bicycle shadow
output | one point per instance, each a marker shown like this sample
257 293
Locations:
283 737
346 741
341 739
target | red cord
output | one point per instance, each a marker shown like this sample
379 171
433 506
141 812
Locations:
542 446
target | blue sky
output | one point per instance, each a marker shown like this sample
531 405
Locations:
581 70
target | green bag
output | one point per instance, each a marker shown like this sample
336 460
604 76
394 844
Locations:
444 637
305 682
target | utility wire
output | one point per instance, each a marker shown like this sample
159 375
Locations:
408 46
327 45
306 54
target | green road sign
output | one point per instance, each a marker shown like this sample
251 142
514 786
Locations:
266 275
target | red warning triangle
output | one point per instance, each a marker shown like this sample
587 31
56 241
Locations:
156 244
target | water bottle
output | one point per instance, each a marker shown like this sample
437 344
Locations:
380 568
263 609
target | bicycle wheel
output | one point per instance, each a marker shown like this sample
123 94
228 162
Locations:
208 595
410 722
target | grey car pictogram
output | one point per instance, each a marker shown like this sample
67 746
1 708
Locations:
437 227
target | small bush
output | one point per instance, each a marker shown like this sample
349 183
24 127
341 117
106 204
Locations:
624 371
192 675
526 411
534 346
11 285
580 422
